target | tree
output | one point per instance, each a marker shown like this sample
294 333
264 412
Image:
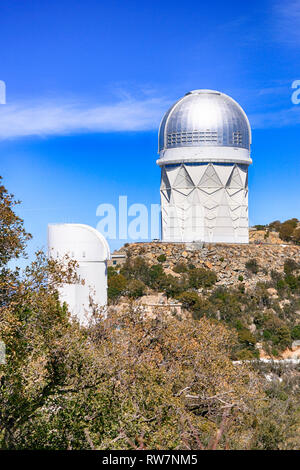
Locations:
135 288
287 228
13 236
296 235
116 286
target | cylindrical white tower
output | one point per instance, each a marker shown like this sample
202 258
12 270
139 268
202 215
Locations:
90 249
204 148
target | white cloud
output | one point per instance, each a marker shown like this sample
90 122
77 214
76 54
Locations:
46 118
276 119
61 117
287 21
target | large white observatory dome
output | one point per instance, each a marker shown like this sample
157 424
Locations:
205 119
204 154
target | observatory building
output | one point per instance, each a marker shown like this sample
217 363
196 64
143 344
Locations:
90 250
204 148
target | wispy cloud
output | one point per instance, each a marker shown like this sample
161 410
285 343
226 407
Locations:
60 117
276 119
287 21
66 117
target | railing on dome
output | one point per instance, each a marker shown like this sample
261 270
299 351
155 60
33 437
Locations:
203 137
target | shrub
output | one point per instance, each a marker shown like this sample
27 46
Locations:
280 285
180 268
173 286
275 352
296 235
227 302
252 266
282 337
116 286
136 268
246 355
135 288
290 266
161 258
200 277
111 271
246 337
191 301
240 278
291 281
287 228
267 334
275 225
157 276
295 333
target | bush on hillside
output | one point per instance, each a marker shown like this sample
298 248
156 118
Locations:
200 277
252 265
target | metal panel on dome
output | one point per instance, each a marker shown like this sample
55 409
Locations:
205 118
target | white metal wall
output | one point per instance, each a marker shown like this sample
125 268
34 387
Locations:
205 202
90 249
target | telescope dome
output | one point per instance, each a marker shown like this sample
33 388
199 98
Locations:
205 118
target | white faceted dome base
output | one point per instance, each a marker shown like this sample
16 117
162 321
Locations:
205 202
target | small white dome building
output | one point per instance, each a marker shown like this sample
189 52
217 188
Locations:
204 148
91 251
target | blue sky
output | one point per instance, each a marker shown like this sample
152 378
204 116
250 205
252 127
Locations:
88 82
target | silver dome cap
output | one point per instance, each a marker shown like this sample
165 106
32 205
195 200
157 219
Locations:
205 118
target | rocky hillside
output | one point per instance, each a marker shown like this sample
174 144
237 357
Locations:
254 288
228 261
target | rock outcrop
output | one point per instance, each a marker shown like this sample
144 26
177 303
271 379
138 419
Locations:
227 260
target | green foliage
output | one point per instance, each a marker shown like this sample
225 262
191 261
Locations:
200 277
246 355
129 381
295 333
241 278
161 258
13 236
281 285
136 268
173 286
192 302
296 236
116 286
252 265
111 271
180 268
157 276
292 281
227 303
287 228
246 337
275 226
135 288
290 266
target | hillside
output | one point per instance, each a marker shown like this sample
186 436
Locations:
254 288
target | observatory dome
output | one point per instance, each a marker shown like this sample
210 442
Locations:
204 119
